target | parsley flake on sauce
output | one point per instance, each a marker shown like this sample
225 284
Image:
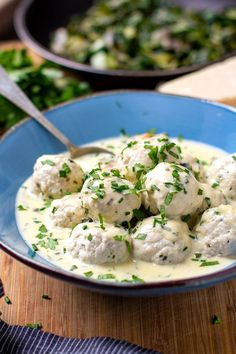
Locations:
73 267
21 208
88 274
106 276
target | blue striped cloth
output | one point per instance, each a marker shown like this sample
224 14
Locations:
24 340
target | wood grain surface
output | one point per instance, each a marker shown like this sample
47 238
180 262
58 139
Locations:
176 324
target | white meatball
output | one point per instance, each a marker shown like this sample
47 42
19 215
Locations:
172 187
99 244
112 197
67 211
212 197
56 175
141 155
223 172
216 232
161 242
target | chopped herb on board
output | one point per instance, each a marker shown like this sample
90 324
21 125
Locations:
7 300
34 325
215 320
46 297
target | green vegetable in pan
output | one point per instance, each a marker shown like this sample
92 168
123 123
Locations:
146 34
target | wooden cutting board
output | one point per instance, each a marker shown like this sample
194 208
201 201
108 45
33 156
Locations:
177 324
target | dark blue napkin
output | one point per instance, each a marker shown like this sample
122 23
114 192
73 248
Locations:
24 340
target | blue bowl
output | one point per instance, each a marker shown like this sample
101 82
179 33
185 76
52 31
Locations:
95 117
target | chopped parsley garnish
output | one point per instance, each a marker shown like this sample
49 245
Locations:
7 300
34 325
88 274
46 297
35 248
215 319
51 244
209 263
85 227
153 154
129 145
73 267
90 237
208 201
168 198
115 173
139 170
106 276
215 185
154 188
141 236
48 162
21 208
43 229
47 204
120 200
129 246
200 191
234 157
160 221
120 237
101 222
136 279
64 171
193 237
98 191
54 210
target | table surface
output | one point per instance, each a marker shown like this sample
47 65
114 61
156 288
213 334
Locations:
174 324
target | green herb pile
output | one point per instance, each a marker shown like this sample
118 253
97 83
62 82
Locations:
46 85
146 34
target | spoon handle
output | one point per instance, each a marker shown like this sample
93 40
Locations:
10 90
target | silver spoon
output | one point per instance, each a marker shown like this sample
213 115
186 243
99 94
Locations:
10 90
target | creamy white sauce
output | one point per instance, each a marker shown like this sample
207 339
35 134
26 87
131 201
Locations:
32 218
